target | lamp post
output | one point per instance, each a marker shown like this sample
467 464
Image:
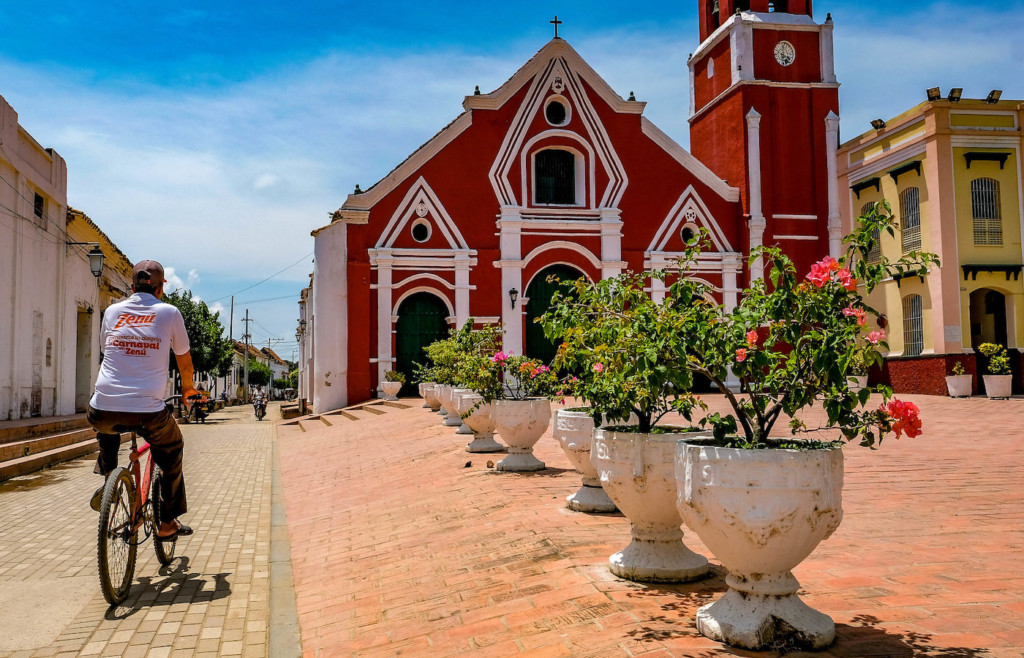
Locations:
95 255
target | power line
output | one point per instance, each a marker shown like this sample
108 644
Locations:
266 279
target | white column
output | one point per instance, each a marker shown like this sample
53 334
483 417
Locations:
611 242
511 277
657 286
16 282
828 65
384 317
732 265
835 221
757 223
741 47
330 308
462 312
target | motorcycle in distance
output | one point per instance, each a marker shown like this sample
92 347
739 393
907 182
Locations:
260 407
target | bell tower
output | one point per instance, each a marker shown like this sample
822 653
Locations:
764 115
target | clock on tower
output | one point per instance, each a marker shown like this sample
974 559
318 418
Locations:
764 115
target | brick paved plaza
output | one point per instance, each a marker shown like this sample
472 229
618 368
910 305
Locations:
214 601
400 548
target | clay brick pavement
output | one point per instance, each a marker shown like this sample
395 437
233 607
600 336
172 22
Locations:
400 546
212 601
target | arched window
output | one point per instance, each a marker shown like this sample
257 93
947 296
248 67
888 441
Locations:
875 254
988 221
913 326
910 215
554 177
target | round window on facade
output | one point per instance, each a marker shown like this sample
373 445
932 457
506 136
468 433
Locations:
557 111
421 231
687 234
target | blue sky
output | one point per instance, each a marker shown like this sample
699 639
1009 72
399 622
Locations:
215 136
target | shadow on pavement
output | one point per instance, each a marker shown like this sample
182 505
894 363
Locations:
177 585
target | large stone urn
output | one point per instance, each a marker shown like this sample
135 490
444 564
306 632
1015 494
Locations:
451 414
638 473
521 423
456 402
431 396
423 393
390 390
480 422
574 431
998 387
761 512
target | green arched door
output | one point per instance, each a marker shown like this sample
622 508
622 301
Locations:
421 321
539 294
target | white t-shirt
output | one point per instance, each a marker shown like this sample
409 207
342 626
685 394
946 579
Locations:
137 335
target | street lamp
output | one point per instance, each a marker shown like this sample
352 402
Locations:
513 295
95 257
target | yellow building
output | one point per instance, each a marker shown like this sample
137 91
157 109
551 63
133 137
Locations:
950 169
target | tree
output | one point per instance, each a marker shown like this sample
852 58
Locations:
211 350
259 374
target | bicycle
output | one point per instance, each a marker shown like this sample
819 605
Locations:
131 502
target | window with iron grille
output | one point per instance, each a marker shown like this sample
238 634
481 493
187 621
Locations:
875 254
913 326
910 216
988 221
555 177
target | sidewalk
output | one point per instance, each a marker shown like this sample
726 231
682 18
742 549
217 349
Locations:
404 544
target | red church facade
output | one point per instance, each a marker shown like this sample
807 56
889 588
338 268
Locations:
554 172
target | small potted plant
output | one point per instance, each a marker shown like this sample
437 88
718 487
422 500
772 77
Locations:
959 384
860 365
628 351
998 381
392 384
762 502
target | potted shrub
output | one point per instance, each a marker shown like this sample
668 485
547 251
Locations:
959 384
573 428
627 351
392 384
860 365
762 503
998 381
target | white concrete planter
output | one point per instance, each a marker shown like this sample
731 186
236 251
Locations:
959 386
761 512
574 431
431 394
637 471
857 382
456 402
998 386
480 422
391 390
521 423
451 414
423 393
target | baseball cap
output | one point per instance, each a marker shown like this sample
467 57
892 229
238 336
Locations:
148 272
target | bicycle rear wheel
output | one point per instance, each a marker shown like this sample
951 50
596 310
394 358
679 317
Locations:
117 542
164 548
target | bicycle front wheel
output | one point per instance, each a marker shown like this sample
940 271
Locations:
164 548
117 545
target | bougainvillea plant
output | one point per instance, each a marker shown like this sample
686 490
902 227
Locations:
793 341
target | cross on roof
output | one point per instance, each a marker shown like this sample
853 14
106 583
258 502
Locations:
556 23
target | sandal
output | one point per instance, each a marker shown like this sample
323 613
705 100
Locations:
182 531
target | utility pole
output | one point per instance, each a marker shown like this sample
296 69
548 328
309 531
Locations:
247 320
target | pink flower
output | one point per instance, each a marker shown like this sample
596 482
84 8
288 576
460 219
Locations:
845 278
598 367
859 313
905 416
500 357
821 271
741 355
752 338
876 336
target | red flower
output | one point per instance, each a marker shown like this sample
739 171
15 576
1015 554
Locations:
752 338
741 355
845 278
862 317
905 418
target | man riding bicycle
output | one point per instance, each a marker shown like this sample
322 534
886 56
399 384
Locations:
137 335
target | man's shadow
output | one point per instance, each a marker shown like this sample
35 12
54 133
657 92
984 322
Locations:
177 585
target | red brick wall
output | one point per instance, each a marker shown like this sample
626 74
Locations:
925 375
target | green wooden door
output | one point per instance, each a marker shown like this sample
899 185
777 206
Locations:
539 294
421 321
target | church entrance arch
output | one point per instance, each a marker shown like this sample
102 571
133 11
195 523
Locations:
422 319
538 295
